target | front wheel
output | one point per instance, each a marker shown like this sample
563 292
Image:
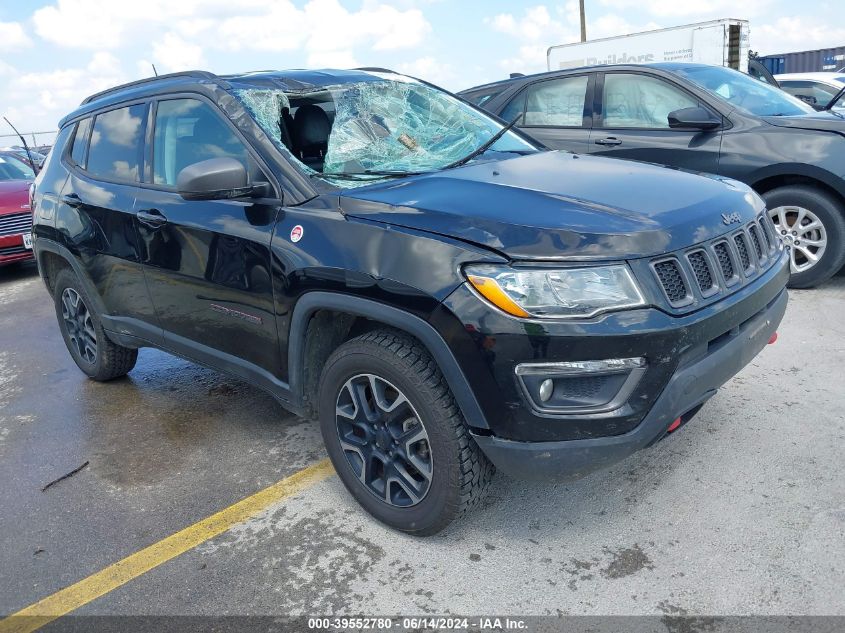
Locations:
92 351
395 435
811 224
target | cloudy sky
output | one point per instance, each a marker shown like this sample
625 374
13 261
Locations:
53 53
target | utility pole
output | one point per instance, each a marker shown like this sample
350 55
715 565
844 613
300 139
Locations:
583 22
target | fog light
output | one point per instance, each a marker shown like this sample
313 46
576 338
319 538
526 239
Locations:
572 387
546 388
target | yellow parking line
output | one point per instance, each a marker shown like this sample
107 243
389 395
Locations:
102 582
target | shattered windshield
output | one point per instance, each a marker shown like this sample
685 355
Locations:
383 125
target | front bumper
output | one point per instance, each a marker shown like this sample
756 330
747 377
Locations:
12 250
688 388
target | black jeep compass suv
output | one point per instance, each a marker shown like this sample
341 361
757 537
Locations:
442 294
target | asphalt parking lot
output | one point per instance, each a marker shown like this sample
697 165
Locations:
742 512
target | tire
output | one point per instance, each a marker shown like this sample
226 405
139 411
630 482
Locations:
101 359
393 365
789 205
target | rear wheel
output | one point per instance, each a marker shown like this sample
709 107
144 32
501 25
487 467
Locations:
811 224
90 348
395 435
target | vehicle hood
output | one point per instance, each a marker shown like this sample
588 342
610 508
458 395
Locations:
14 196
825 121
556 205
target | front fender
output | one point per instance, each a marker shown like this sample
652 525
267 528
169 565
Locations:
835 182
313 301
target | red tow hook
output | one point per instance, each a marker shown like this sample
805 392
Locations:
674 425
773 338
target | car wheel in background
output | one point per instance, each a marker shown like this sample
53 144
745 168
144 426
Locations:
811 224
90 348
395 435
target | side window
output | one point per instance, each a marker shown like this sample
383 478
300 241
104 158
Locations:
812 91
479 98
188 131
80 142
557 102
640 101
514 108
114 152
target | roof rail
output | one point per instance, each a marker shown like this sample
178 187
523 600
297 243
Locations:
376 69
196 74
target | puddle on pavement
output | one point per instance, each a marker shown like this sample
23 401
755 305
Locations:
145 427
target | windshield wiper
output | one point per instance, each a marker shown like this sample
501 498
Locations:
367 174
485 146
839 95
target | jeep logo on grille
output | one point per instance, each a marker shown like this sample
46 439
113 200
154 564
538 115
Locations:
731 218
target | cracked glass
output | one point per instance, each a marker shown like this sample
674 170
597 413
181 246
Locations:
394 124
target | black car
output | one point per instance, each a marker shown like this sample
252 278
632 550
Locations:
442 294
702 118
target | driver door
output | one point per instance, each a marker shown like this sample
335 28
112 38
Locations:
631 121
206 262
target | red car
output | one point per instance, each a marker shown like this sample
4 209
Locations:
15 213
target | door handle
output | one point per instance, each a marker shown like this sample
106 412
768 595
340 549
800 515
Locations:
151 218
72 200
608 141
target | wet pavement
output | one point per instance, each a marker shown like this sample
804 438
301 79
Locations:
743 511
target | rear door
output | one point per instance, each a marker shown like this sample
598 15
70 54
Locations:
95 217
556 112
631 121
207 263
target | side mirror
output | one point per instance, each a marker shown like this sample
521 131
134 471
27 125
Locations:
216 179
697 118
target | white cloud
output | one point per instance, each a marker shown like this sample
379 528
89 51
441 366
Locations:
320 25
172 53
433 70
39 99
83 23
104 63
668 10
794 33
107 24
324 25
535 30
177 35
12 36
538 28
536 23
333 59
611 25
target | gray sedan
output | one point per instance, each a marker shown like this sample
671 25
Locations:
703 118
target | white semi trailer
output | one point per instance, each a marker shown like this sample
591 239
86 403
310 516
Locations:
719 42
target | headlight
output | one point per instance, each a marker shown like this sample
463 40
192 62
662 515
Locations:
556 292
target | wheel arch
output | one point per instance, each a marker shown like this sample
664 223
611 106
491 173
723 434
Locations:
798 174
52 258
344 316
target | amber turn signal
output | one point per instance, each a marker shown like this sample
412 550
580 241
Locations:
490 290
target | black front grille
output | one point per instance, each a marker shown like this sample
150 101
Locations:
744 257
701 270
672 280
764 233
755 239
15 223
712 269
725 262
